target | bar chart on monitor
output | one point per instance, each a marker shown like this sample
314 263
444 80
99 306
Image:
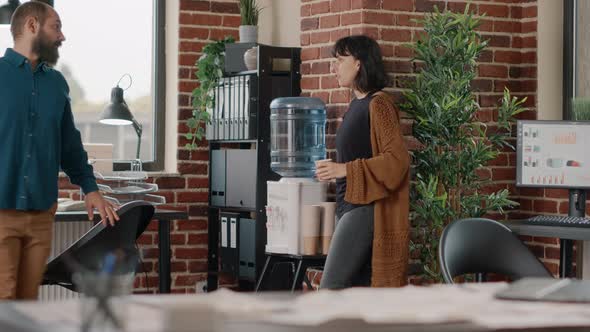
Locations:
553 154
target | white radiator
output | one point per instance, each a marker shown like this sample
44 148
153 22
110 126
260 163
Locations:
64 234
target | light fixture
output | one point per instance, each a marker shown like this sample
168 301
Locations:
7 10
117 113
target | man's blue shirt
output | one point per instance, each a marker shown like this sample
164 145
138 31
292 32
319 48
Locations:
38 136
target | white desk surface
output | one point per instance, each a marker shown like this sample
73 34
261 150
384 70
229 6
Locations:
436 308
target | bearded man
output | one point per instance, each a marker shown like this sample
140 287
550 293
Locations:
38 137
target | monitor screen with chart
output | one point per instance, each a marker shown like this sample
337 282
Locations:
553 154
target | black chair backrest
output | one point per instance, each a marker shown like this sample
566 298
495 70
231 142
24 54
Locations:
479 245
89 251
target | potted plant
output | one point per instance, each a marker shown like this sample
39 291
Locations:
209 71
454 144
581 109
249 12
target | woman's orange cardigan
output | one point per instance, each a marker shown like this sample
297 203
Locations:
384 180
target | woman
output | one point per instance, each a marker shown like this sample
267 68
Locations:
370 243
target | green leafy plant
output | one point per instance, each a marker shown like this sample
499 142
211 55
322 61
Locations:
209 71
249 12
581 109
454 144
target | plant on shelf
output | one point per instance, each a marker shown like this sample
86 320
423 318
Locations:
209 71
249 12
454 144
581 109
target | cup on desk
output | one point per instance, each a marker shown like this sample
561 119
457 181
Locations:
319 162
103 307
327 225
105 286
310 229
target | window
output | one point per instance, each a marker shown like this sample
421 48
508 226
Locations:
105 40
576 89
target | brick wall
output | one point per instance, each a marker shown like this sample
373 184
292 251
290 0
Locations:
200 22
509 61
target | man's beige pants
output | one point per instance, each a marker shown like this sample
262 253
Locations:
25 244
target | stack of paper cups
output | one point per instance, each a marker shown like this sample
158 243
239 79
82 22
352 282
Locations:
327 227
310 229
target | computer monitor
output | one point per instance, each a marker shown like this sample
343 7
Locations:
553 154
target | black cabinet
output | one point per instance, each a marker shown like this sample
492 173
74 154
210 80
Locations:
218 176
239 155
233 178
241 178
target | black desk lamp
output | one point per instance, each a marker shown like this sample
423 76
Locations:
117 113
7 10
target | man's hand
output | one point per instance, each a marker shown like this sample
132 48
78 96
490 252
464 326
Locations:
106 209
328 170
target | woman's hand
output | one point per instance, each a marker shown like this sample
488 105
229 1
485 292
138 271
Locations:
328 170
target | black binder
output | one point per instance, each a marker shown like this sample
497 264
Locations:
228 239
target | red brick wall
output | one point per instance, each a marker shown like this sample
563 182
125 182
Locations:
511 26
200 22
509 61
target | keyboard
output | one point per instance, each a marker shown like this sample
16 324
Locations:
558 221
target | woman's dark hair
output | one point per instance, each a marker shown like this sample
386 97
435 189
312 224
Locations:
371 76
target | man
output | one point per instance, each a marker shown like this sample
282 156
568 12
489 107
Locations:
38 136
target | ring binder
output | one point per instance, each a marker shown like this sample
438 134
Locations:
237 178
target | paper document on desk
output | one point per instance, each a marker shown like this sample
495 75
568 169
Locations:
347 310
372 306
209 312
437 308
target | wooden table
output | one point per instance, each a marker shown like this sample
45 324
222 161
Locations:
470 307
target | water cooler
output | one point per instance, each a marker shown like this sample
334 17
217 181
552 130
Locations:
297 141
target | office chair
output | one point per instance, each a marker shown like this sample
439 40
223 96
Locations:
479 245
89 251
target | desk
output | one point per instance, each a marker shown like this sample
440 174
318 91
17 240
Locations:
469 307
163 217
565 234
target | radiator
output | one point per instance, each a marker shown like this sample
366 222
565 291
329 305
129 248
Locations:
64 234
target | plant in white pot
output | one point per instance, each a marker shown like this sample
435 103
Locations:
249 12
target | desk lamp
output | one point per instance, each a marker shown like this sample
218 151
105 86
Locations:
7 10
117 113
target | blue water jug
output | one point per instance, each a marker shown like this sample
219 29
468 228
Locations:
297 135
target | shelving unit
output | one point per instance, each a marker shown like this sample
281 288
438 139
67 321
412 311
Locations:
239 168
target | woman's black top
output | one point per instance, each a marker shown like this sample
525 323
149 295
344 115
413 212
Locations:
353 141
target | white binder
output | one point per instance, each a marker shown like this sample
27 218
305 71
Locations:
226 108
246 110
224 232
239 108
219 101
209 131
233 107
233 232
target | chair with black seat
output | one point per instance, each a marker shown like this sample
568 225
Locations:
90 250
481 246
